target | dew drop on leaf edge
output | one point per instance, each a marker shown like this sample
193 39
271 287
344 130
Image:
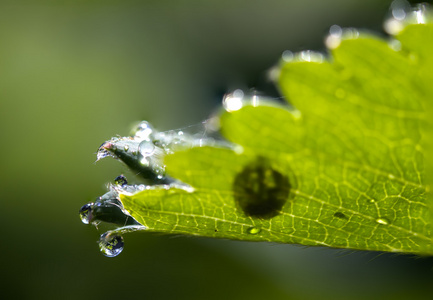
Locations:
144 130
146 148
85 213
111 245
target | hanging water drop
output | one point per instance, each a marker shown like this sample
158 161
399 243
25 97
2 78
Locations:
86 213
382 221
126 148
254 230
111 245
146 148
121 180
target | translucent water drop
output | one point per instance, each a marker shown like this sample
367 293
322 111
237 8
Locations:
310 56
145 162
333 40
393 26
335 30
399 13
395 45
255 100
111 245
144 130
382 221
86 213
121 180
287 56
146 148
233 101
126 148
254 230
420 14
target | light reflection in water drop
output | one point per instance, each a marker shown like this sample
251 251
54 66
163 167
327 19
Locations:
233 101
86 213
310 56
144 130
146 148
403 14
110 244
333 40
287 56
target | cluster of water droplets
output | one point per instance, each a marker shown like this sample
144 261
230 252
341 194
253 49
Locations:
306 55
143 152
337 34
402 13
108 209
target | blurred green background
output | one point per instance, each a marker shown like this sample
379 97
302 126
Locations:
75 73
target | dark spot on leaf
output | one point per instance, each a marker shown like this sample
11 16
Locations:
339 215
260 190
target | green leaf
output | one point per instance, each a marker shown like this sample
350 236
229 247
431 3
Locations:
345 169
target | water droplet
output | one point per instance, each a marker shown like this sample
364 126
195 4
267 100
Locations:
144 130
335 30
399 13
121 180
145 162
395 45
126 148
255 100
146 148
233 101
393 26
371 200
111 245
86 213
180 133
333 40
260 190
382 221
254 230
420 14
287 56
339 215
310 56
